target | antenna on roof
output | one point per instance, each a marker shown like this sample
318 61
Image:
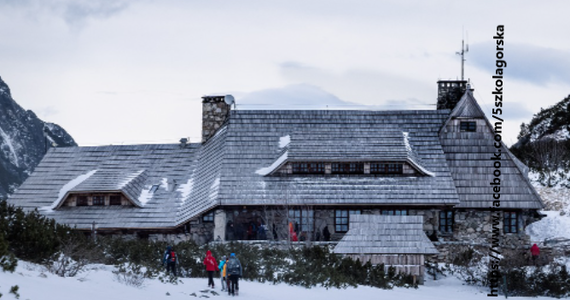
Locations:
464 49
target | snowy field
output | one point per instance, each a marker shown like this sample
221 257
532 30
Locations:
556 224
99 284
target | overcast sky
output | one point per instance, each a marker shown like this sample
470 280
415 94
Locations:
130 72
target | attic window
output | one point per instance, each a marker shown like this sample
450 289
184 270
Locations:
386 168
115 200
308 168
98 200
347 168
81 201
468 126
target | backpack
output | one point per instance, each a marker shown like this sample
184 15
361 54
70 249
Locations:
233 267
172 257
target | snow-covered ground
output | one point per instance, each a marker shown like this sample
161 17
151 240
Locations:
556 224
99 283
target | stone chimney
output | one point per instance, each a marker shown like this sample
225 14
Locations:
215 111
449 92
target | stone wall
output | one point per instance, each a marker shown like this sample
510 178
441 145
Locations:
475 226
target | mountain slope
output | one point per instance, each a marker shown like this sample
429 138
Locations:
553 122
544 144
24 139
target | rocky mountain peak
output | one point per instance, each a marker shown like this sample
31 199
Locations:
24 139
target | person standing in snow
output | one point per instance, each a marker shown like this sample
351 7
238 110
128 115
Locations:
170 259
211 267
535 251
234 272
222 268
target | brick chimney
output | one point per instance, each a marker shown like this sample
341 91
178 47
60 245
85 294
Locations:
449 92
215 111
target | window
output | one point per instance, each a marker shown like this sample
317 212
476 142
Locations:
115 200
394 212
154 188
208 218
468 126
82 201
99 200
347 168
309 168
510 222
386 168
341 219
301 219
446 221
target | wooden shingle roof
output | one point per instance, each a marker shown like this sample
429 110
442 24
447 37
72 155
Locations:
469 154
379 234
131 170
253 144
230 169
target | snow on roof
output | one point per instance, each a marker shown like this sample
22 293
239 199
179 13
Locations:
145 195
67 187
164 183
185 189
284 141
274 166
407 141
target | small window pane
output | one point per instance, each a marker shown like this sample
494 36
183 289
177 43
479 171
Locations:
115 200
82 201
99 200
468 126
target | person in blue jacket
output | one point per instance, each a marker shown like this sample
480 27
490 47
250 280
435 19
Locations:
222 267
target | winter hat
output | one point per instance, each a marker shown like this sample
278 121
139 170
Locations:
224 257
233 255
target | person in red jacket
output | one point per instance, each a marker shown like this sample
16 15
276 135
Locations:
535 251
211 267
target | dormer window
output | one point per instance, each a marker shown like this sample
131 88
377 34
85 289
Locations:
115 200
468 126
92 199
308 168
81 201
347 168
98 200
386 168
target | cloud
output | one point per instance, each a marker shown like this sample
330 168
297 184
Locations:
534 64
78 12
376 89
296 96
307 96
75 13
